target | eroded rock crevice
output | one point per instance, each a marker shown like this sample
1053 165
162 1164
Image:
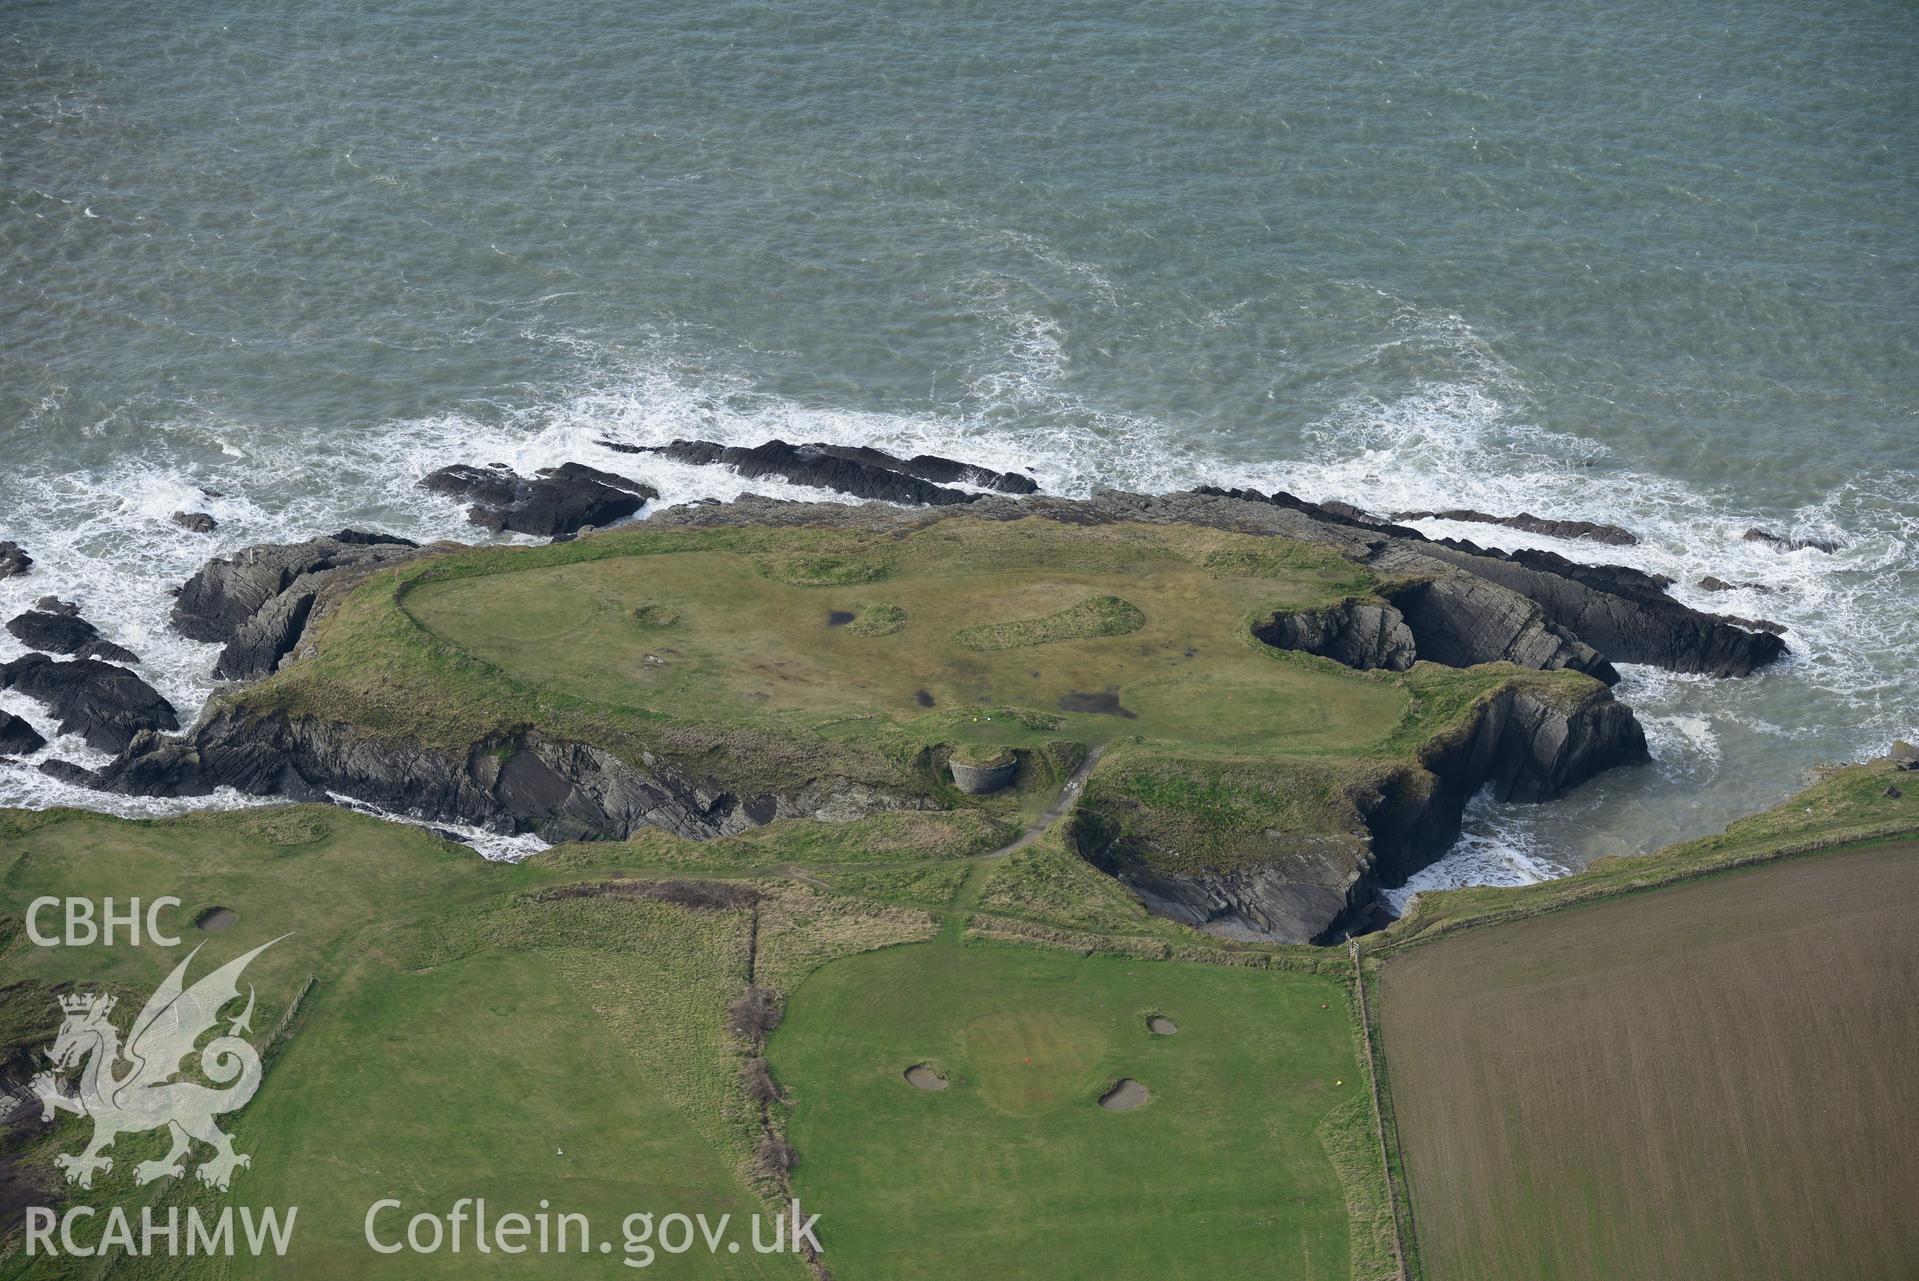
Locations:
1519 745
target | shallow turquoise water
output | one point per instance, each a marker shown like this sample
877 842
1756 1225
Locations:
1611 261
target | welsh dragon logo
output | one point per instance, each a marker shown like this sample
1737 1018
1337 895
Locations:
143 1095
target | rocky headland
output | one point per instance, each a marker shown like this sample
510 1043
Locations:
1427 604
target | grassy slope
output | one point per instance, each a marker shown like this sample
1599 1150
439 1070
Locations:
1847 805
727 652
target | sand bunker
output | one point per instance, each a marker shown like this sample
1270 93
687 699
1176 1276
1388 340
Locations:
923 1077
1160 1025
1125 1095
215 919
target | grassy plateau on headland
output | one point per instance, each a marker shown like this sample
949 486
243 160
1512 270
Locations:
942 1028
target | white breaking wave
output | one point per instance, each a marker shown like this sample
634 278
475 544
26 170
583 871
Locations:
103 537
1492 850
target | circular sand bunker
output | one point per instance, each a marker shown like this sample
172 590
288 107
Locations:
1125 1095
923 1076
1160 1025
215 919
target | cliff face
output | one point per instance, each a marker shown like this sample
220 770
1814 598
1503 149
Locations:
1353 632
556 790
257 603
1519 745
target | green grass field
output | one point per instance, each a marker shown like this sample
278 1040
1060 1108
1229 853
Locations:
441 1027
992 615
461 1028
1015 1170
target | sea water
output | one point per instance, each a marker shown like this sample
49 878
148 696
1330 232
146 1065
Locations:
1630 262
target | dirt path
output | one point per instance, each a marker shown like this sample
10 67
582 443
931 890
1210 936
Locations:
966 898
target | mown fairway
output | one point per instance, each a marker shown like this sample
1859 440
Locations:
1711 1080
1014 1170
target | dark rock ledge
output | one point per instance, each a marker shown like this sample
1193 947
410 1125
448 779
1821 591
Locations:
554 501
104 704
1585 530
257 602
54 626
17 738
557 790
923 480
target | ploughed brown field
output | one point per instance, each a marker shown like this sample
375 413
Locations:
1716 1080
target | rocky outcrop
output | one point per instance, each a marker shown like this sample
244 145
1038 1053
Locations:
258 602
69 772
553 501
1460 620
17 738
1352 632
196 522
1262 902
1714 583
54 626
1586 530
1780 543
863 473
104 704
1518 745
1622 612
14 560
941 471
557 790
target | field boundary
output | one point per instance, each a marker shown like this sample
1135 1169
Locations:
1383 945
1393 1199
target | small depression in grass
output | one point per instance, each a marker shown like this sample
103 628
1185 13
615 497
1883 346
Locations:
1101 703
215 919
924 1076
1125 1095
1160 1025
839 617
